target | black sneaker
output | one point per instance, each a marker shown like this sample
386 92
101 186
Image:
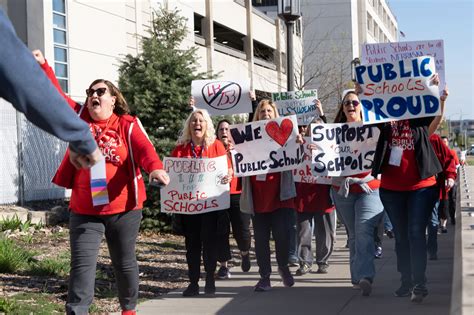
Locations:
286 276
322 269
419 293
191 290
403 291
210 287
223 273
245 263
389 233
304 269
365 286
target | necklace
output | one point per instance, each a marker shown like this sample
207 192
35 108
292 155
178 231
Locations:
193 152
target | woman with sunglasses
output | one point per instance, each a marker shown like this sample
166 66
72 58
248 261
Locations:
359 206
126 149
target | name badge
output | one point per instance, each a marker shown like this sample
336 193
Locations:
395 156
261 177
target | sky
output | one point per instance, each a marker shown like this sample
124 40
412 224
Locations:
451 21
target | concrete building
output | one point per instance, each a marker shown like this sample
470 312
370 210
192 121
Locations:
333 32
85 39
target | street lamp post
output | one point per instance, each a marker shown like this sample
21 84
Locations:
289 11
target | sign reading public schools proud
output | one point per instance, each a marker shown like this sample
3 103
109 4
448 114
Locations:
195 185
222 97
303 173
396 51
265 146
398 90
299 103
343 149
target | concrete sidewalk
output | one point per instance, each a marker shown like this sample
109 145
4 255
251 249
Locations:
314 293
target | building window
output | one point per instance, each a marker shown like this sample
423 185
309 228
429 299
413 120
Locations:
264 3
61 65
370 22
263 52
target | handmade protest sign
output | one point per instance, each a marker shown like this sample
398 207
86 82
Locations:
222 97
299 103
303 173
343 149
265 146
398 90
195 185
396 51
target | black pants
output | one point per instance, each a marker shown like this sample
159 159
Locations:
200 232
240 229
452 202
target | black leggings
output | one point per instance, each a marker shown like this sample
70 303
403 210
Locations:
240 229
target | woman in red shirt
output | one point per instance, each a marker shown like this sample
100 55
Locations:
197 141
126 148
271 197
240 221
360 207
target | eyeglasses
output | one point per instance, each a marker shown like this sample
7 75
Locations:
353 102
100 91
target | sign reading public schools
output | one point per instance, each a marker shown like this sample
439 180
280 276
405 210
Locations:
299 103
396 51
265 146
398 90
195 185
222 97
343 149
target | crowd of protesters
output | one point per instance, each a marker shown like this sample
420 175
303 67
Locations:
402 196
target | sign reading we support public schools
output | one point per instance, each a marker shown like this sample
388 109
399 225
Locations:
299 103
343 149
222 97
398 90
265 146
195 185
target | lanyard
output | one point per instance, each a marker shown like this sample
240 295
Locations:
194 153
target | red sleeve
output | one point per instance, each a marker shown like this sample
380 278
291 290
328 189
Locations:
143 150
52 77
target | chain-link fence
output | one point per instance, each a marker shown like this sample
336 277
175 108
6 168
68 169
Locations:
28 160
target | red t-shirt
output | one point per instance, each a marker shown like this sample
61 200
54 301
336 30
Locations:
266 194
406 176
313 198
119 188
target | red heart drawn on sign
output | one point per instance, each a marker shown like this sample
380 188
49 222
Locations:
279 133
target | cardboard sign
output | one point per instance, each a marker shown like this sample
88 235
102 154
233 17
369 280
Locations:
396 51
265 146
222 97
343 149
303 173
299 103
398 90
195 185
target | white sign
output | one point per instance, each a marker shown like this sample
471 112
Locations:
343 149
398 90
222 97
299 103
195 185
396 51
265 146
303 173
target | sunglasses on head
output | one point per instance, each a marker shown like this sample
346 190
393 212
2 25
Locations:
100 91
353 102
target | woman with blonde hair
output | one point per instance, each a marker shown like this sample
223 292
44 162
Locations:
271 199
198 140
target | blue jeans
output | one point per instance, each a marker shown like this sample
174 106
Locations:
361 214
386 222
433 225
410 212
276 224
